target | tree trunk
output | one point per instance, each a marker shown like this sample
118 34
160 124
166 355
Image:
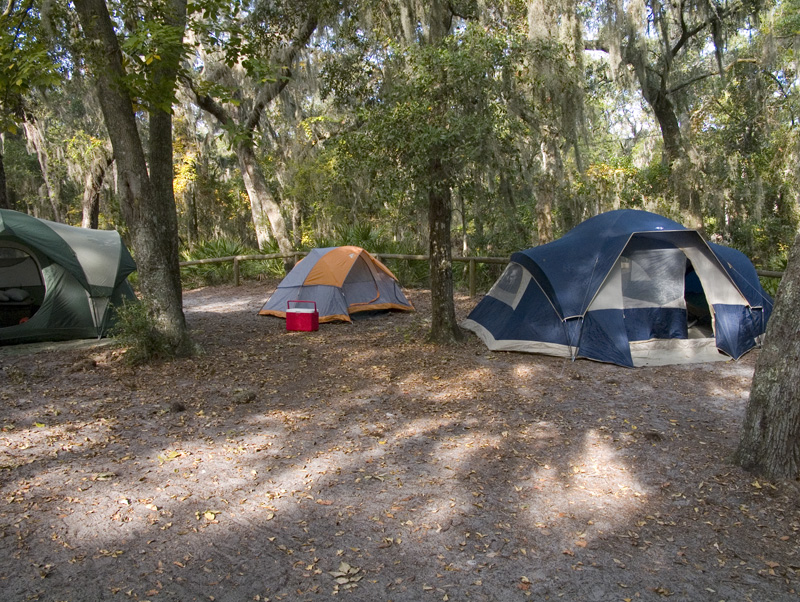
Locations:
266 212
548 25
5 202
683 175
146 201
92 185
514 223
159 235
444 328
52 187
770 442
548 184
297 224
462 210
192 232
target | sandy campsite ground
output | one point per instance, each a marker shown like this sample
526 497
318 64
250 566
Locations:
360 463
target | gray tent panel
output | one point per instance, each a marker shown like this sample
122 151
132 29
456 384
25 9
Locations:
73 278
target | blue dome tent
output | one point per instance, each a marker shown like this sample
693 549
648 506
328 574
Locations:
627 287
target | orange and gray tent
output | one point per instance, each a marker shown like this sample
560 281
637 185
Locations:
341 281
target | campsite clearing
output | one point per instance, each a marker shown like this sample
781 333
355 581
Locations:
358 462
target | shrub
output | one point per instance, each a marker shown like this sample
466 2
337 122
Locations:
218 273
135 329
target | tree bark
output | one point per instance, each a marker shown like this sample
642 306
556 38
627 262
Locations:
683 175
444 328
92 185
5 201
770 442
160 235
266 212
147 200
52 187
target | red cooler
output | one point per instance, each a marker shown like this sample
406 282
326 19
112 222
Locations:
305 318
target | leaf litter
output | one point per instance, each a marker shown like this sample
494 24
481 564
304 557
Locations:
361 462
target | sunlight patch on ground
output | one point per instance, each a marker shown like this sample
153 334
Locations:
419 427
454 452
572 498
203 304
477 375
525 372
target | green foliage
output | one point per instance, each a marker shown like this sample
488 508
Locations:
446 106
22 173
435 115
411 273
26 60
218 273
361 234
135 330
347 151
154 42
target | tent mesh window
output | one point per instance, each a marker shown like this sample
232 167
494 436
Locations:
507 287
653 277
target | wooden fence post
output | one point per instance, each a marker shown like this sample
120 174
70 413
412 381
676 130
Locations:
471 278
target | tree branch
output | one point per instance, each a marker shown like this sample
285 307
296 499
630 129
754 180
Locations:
688 83
207 103
9 8
687 34
285 58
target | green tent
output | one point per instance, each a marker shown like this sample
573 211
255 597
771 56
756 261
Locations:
58 282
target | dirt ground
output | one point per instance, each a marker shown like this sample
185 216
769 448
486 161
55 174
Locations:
360 463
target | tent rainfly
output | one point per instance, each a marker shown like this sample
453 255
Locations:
626 287
58 282
341 281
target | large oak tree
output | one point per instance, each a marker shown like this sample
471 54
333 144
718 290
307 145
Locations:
236 82
144 178
770 443
663 49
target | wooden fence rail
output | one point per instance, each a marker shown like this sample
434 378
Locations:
472 261
237 259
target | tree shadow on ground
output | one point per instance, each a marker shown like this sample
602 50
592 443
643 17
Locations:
358 461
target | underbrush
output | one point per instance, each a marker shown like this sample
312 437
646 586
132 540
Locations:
135 330
410 272
209 274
